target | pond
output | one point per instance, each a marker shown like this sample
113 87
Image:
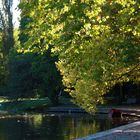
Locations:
53 126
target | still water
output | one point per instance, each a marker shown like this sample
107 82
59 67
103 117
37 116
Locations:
52 126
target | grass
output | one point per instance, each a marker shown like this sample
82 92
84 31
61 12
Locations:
24 104
3 99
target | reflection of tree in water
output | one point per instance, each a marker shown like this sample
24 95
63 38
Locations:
37 120
43 127
86 125
78 126
12 128
67 127
53 128
59 127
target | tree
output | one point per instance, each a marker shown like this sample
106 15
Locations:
20 80
32 74
6 38
97 42
6 25
47 77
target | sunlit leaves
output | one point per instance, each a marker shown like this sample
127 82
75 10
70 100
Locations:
97 43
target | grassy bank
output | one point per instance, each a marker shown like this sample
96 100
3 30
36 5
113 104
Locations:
24 105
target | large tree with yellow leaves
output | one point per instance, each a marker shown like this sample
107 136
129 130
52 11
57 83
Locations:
98 43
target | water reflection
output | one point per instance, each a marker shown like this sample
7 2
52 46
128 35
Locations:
52 127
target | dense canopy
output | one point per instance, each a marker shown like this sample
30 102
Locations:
97 43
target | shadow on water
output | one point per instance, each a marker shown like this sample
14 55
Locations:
53 126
